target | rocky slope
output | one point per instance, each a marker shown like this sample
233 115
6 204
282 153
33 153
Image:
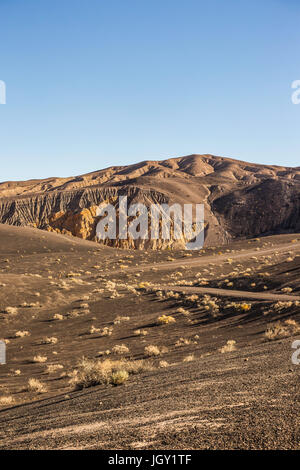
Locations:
241 199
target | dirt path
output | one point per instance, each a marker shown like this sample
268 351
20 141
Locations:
204 260
230 293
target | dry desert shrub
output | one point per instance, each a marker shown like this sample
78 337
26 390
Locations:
107 352
282 330
35 385
163 364
240 307
120 376
49 340
11 310
119 319
279 306
182 311
39 359
120 349
58 316
165 320
91 372
106 331
30 305
140 332
6 401
71 274
182 342
51 368
287 290
189 358
22 334
210 305
93 330
228 347
152 350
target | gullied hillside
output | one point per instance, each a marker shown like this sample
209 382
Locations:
241 199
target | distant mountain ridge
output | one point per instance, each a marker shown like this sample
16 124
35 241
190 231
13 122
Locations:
241 199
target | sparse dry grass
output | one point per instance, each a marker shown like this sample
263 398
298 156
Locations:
6 401
58 317
152 350
183 342
49 340
282 330
163 364
22 334
165 320
96 372
182 311
120 349
228 347
140 332
189 358
34 385
51 368
239 307
94 330
119 377
119 319
11 310
39 359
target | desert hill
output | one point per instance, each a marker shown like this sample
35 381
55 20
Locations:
241 199
206 337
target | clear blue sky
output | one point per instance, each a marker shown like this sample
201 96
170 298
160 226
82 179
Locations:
107 82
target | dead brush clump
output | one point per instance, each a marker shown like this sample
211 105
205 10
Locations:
140 332
120 349
90 372
34 385
281 306
182 311
106 331
167 294
39 359
163 364
58 316
11 310
239 307
183 342
21 334
152 350
93 330
119 319
191 299
228 347
6 401
144 285
30 304
49 340
165 320
282 330
52 368
210 305
189 358
286 290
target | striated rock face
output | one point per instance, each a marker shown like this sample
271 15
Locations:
240 199
270 206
